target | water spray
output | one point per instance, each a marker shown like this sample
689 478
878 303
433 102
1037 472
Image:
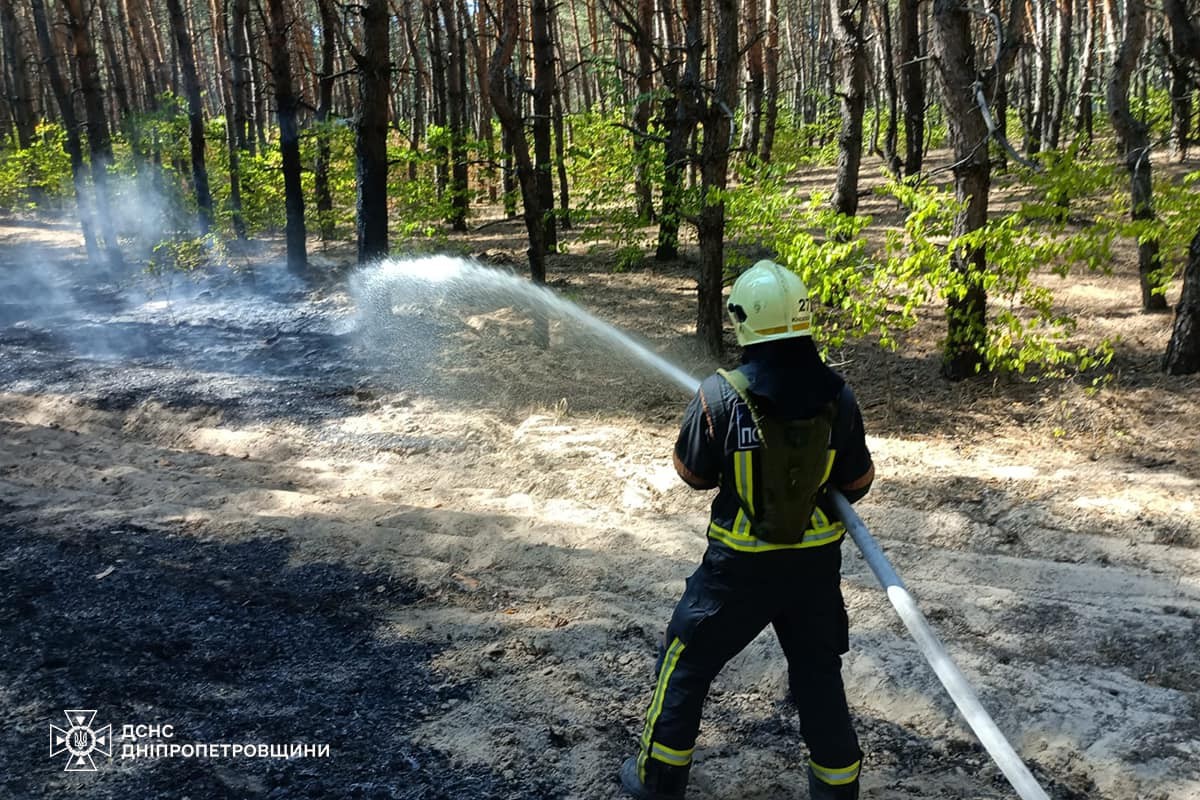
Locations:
396 285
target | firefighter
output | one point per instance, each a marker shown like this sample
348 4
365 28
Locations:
769 437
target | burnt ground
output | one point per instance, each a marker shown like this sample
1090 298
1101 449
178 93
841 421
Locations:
227 643
449 555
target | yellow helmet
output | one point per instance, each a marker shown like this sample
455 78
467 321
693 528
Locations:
769 302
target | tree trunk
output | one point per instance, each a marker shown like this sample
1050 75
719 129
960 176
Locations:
682 112
370 140
1087 72
456 99
99 144
287 108
966 312
419 110
912 85
20 98
1133 138
771 84
755 77
891 136
714 169
191 84
71 126
1183 351
1062 74
852 68
643 39
239 55
543 98
1185 44
514 129
324 197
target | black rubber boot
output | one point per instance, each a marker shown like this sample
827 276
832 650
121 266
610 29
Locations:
820 790
663 781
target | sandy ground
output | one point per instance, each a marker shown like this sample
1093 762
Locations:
526 503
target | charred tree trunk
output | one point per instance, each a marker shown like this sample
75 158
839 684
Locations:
714 172
543 98
287 108
912 85
74 147
99 144
191 86
852 69
370 140
1133 138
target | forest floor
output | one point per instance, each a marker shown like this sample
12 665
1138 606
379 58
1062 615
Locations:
449 555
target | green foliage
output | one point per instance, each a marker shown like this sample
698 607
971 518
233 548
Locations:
601 164
187 254
38 173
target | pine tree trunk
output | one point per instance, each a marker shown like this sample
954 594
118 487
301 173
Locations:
73 145
682 112
756 78
370 140
1183 351
99 144
239 55
714 169
514 129
852 68
1062 74
20 97
1185 44
288 105
1133 138
641 113
771 83
324 197
456 98
191 84
1087 79
543 98
966 312
912 85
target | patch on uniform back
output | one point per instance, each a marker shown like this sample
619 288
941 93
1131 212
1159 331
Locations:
743 423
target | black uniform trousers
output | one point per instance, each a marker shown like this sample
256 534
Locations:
728 601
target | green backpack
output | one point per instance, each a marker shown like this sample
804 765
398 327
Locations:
794 460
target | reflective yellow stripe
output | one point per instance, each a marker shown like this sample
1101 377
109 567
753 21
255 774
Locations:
772 331
749 469
740 537
669 755
670 659
836 777
828 465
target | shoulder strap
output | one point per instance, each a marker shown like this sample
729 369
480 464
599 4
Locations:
741 385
